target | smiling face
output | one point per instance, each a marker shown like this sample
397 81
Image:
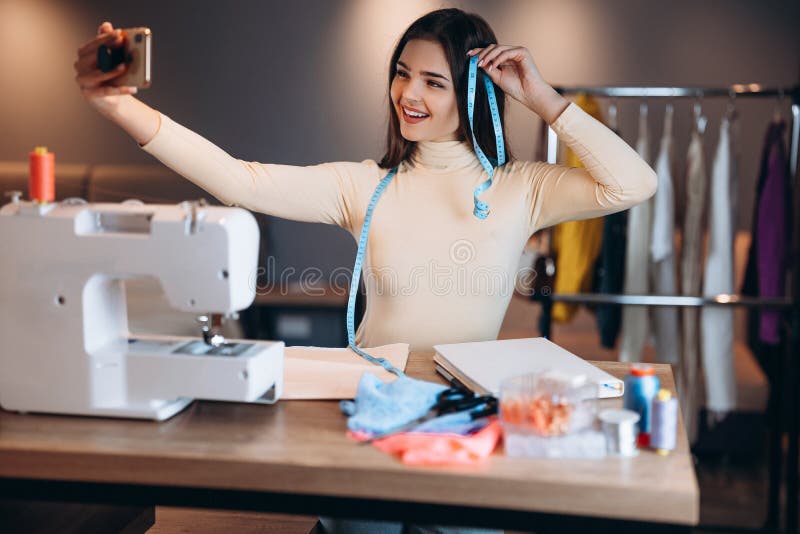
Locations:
423 94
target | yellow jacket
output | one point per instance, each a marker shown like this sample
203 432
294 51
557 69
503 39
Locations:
576 243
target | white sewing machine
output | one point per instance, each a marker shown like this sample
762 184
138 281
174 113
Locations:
66 347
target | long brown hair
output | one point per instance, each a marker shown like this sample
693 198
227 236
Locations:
457 32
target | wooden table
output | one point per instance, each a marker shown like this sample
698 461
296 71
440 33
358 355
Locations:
294 457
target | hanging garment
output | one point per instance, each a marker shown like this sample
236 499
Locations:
765 275
691 279
576 244
634 318
717 322
666 329
736 149
610 276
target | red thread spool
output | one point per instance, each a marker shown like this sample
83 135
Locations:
42 181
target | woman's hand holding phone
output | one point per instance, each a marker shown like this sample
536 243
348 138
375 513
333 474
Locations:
114 102
94 83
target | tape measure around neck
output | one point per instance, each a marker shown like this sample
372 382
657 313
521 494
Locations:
481 208
351 301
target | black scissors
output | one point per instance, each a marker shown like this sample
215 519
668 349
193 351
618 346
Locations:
452 400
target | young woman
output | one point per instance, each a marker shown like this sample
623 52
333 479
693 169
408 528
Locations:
434 272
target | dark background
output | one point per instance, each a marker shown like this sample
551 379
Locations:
304 82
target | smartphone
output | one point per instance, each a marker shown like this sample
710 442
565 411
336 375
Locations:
135 52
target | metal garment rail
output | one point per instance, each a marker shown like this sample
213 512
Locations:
751 90
671 300
789 380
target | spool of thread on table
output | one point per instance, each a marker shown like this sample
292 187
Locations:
664 429
619 428
42 177
641 387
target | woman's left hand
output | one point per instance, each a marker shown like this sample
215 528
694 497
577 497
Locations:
513 70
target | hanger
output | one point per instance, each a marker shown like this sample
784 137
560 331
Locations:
669 109
700 122
643 111
613 112
778 112
731 114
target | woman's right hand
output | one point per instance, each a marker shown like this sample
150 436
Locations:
92 81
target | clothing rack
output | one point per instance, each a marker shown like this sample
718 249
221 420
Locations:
752 90
789 306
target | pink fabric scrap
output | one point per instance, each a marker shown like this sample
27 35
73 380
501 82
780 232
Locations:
419 448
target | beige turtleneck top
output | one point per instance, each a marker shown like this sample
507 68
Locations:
434 273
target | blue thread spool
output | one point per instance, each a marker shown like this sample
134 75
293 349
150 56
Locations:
664 433
641 386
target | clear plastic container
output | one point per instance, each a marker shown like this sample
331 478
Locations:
550 415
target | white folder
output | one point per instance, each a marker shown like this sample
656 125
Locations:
481 366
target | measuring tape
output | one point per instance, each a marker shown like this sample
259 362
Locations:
481 210
351 301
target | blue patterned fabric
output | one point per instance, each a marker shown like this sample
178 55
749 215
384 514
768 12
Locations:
380 407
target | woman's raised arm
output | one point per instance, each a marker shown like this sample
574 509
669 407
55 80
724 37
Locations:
317 193
138 119
324 193
614 177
